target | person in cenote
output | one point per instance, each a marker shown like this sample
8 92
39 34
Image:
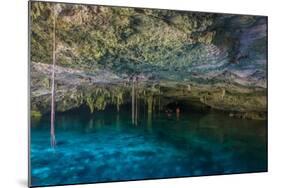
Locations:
178 112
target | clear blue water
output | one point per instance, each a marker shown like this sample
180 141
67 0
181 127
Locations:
106 146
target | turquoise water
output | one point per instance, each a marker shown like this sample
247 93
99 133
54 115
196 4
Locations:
106 146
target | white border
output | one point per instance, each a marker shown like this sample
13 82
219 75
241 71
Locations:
14 83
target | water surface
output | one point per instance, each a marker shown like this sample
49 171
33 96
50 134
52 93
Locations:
106 146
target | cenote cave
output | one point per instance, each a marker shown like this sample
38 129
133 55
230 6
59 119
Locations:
132 94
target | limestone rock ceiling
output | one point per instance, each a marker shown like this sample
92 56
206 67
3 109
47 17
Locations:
161 44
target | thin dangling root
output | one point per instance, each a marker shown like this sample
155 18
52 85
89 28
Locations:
53 140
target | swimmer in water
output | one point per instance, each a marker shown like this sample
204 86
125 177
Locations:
178 112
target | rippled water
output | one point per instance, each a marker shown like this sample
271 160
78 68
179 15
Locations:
106 146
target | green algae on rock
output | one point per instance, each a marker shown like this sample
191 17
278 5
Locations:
214 60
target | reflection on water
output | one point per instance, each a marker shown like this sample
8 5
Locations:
106 146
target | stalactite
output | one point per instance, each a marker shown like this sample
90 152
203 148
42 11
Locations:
159 102
136 106
133 101
118 105
153 104
149 113
118 99
149 104
144 105
223 93
91 103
